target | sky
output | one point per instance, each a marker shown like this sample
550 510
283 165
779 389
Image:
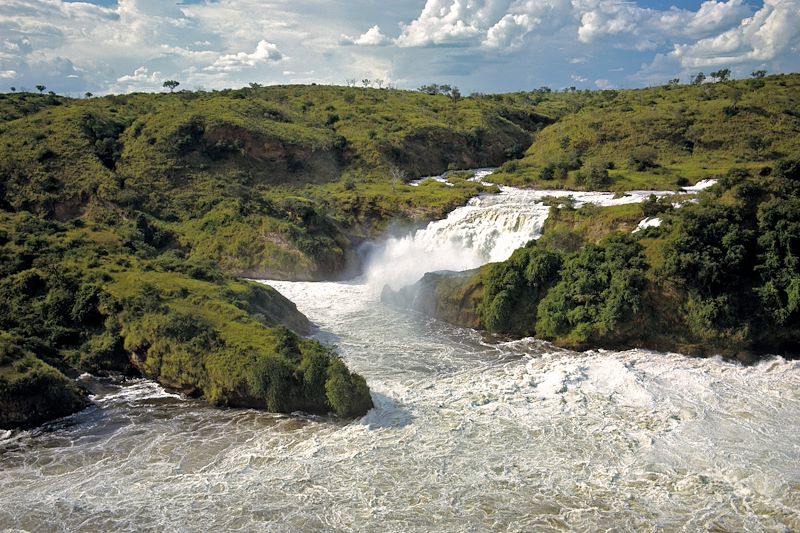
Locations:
117 46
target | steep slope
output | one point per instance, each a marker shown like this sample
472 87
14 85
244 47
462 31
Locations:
664 137
258 163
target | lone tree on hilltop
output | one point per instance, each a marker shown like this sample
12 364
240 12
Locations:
171 84
41 88
722 74
88 94
759 73
13 89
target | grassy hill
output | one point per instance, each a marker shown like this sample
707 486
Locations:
664 137
244 177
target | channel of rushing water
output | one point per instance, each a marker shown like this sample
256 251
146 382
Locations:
466 435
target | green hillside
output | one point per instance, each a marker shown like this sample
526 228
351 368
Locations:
248 177
664 137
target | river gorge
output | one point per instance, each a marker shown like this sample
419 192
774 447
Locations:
467 433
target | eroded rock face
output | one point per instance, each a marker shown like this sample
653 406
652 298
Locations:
31 391
23 407
453 297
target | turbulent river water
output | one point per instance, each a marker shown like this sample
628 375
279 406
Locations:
466 435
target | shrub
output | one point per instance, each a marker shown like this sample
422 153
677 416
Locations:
347 392
514 287
654 206
643 158
595 177
599 291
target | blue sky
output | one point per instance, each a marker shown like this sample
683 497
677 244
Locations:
479 45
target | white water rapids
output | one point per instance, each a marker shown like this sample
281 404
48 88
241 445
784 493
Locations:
465 436
488 229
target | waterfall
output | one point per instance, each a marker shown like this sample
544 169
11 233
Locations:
488 229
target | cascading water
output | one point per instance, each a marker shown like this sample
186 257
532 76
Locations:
488 229
465 436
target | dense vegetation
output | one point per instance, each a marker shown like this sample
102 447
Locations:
81 297
719 276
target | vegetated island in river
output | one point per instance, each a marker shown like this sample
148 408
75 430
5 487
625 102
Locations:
126 223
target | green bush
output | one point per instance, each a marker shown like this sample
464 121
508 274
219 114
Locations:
513 288
598 294
347 392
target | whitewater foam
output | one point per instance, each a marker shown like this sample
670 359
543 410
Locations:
488 229
466 435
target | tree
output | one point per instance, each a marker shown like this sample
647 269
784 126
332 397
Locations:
350 82
88 94
40 88
13 89
432 89
397 176
673 82
758 145
347 392
455 94
595 177
254 85
759 73
722 74
698 78
366 82
379 83
599 291
643 158
171 84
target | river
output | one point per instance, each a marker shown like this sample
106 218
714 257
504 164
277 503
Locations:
466 435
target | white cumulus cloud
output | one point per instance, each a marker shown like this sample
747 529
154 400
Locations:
443 22
510 31
141 74
772 32
372 37
265 52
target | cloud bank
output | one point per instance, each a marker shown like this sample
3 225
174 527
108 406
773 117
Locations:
485 45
